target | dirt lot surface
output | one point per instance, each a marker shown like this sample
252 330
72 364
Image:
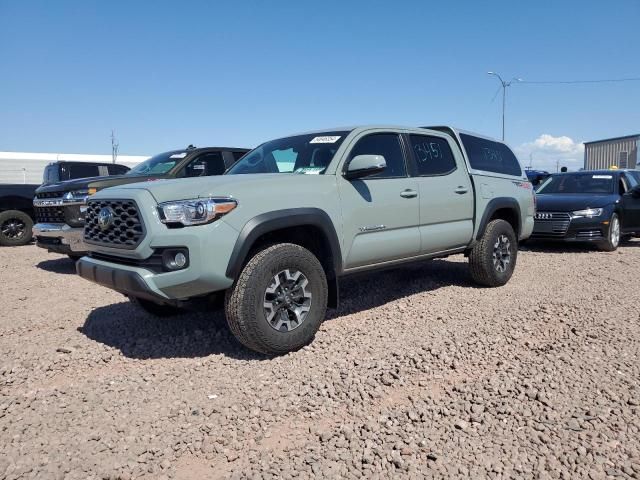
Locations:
418 374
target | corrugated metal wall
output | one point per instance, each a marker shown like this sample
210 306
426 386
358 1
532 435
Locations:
607 153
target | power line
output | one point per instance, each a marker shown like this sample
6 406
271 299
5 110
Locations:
568 82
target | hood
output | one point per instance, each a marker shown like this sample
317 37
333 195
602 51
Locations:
237 186
93 182
569 202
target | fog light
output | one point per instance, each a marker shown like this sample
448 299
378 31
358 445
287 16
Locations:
175 259
180 260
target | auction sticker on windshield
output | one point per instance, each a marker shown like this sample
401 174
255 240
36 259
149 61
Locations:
327 139
309 170
178 155
603 177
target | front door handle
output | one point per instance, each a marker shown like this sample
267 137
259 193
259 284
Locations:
461 190
408 193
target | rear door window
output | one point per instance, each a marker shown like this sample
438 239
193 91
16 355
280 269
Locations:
205 165
82 171
238 155
433 155
490 156
118 169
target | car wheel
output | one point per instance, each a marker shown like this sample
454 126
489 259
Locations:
15 228
155 309
613 235
493 259
279 300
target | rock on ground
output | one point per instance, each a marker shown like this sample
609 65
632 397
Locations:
419 374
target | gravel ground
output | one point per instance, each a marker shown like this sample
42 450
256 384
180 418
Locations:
418 374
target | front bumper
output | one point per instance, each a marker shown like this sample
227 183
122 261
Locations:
60 238
579 229
127 281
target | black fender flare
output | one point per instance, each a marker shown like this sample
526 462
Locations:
290 217
277 220
493 206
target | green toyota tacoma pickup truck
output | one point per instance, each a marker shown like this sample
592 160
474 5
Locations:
279 229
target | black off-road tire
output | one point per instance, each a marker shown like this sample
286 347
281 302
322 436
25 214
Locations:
155 309
481 260
8 236
244 301
611 244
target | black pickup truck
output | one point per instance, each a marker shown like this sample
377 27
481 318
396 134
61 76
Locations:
61 207
63 170
16 214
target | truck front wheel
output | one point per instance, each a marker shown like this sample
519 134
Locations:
279 299
15 228
493 258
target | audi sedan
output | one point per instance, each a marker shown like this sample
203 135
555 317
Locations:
599 207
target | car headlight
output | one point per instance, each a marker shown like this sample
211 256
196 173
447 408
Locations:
75 196
588 212
195 212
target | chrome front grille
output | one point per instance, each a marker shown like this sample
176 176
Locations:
551 223
113 223
49 195
49 214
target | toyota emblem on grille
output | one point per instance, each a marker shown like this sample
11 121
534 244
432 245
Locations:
105 218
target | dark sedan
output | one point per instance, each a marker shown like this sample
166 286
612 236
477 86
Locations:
589 206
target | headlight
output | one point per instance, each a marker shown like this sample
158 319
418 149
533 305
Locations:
195 212
589 212
75 196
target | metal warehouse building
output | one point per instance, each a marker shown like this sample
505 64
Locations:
620 151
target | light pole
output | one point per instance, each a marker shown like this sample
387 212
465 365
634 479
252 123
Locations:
504 94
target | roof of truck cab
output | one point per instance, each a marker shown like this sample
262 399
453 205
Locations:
353 128
465 132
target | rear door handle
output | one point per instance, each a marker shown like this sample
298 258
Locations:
408 193
461 190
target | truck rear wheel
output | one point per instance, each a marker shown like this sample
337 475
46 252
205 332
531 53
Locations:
493 258
155 309
15 228
279 300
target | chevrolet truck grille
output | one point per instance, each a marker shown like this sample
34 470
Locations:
49 215
113 223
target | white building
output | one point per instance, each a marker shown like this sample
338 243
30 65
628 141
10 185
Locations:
25 167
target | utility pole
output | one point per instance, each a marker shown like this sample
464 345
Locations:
504 94
115 146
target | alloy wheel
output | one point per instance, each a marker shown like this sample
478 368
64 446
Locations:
13 228
615 231
287 300
502 253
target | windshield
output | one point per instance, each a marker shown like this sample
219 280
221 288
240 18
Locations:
596 183
302 154
158 165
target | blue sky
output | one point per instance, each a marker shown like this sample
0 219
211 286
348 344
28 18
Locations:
165 73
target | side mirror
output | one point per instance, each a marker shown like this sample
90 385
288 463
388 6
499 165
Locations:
365 165
635 191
